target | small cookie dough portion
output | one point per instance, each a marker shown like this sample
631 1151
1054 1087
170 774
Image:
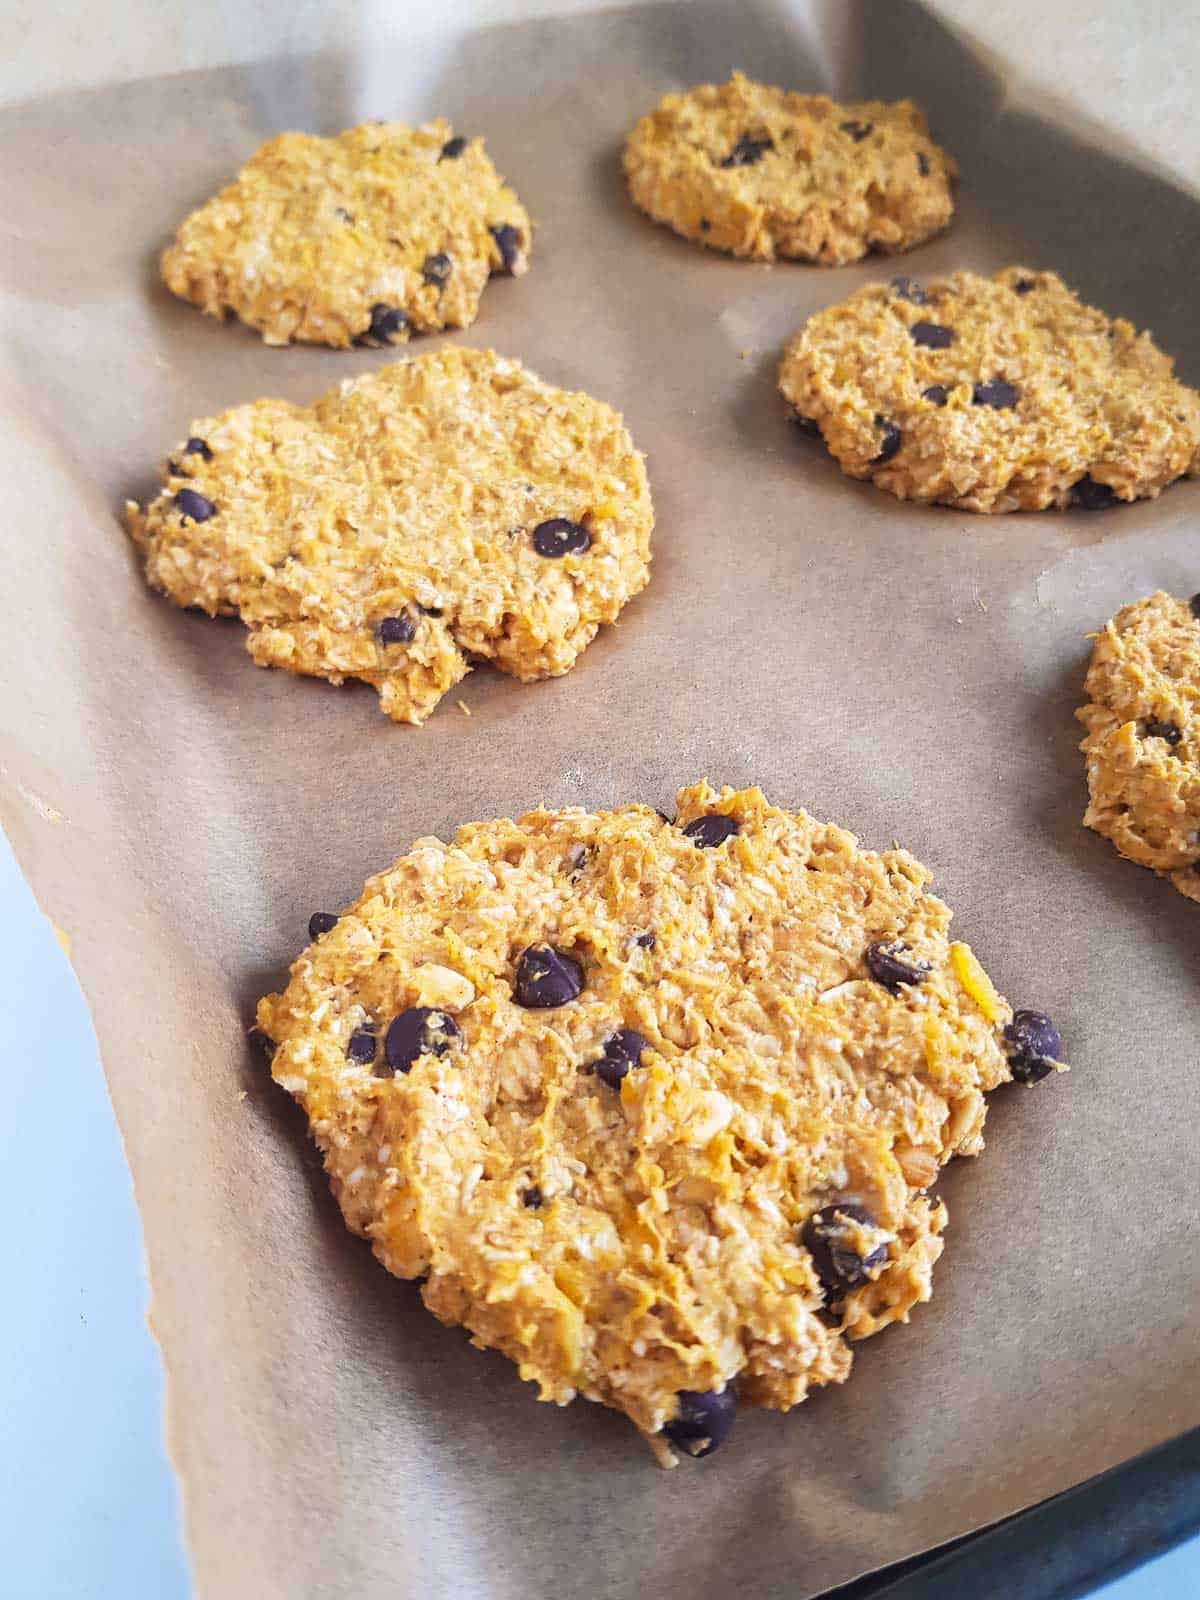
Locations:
769 175
992 394
1143 737
651 1106
365 238
447 508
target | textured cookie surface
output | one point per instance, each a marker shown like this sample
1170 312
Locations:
449 507
656 1057
1143 737
766 174
379 232
992 394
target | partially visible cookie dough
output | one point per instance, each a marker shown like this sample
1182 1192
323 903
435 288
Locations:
447 508
379 232
652 1107
1143 739
992 394
766 174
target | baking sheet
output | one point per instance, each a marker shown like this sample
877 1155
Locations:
907 672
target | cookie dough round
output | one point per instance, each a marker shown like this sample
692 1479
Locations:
448 508
651 1107
1143 737
992 394
768 175
365 238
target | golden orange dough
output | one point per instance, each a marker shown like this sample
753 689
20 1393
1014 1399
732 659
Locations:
1143 738
318 239
766 174
1028 399
387 532
629 1243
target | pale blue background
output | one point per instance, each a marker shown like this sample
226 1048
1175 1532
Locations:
88 1506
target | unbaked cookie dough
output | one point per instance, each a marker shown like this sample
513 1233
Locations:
652 1107
992 394
365 238
448 508
1143 737
766 174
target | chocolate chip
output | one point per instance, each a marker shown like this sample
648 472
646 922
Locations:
1032 1044
886 966
889 443
262 1042
858 131
1089 495
645 941
808 426
828 1236
546 977
320 922
909 289
1194 603
532 1197
400 629
622 1050
453 148
995 393
387 323
937 394
931 335
922 163
437 268
560 537
194 506
702 1421
1024 285
198 447
508 241
705 225
419 1031
362 1047
1163 730
706 833
747 151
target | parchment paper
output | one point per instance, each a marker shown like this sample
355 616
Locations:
908 672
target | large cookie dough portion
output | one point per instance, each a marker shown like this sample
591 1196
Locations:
409 493
315 234
665 1253
762 173
1143 739
1096 404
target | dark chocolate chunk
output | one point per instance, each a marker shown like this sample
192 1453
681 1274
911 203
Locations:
400 629
560 537
645 941
936 394
995 393
508 241
419 1031
362 1047
194 506
1194 603
262 1042
532 1197
932 335
890 441
1032 1044
622 1050
808 426
320 922
1024 285
909 289
922 163
702 1421
437 268
747 151
197 447
858 131
387 323
886 965
1089 495
1163 730
708 832
453 148
546 977
828 1236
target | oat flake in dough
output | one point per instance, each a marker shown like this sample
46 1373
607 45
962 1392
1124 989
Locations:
448 508
633 1230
